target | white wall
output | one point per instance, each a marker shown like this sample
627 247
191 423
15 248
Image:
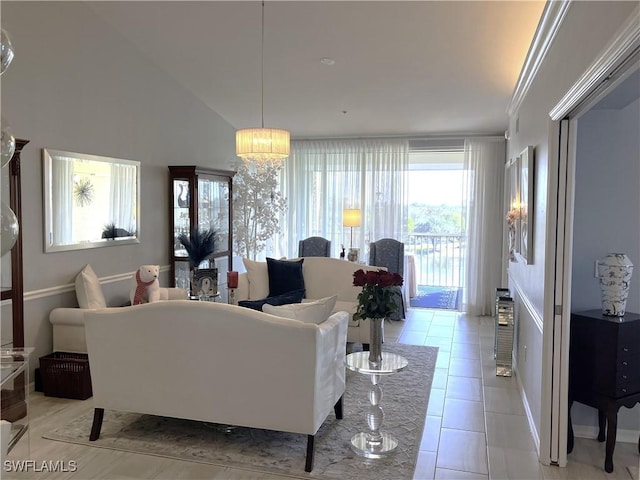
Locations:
606 219
586 29
77 85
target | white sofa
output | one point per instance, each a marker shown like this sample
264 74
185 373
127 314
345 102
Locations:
218 363
68 324
323 277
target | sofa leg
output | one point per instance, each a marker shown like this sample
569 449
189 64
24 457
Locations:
365 347
308 466
98 414
337 408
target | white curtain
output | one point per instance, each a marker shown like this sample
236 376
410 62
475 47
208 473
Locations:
62 211
484 162
322 177
123 196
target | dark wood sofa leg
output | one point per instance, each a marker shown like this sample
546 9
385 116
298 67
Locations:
365 347
308 466
98 414
337 408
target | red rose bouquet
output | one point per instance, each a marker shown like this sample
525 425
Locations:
376 298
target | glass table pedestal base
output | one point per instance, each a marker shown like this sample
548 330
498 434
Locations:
363 445
374 443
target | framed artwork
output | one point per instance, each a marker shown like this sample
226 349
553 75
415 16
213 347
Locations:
526 187
205 282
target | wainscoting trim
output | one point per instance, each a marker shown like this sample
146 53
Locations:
71 287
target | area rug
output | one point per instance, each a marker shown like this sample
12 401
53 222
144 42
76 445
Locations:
405 399
437 297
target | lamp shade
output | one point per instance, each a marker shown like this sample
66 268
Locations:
351 217
262 143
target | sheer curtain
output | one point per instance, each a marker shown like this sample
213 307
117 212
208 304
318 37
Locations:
484 160
322 177
123 198
62 212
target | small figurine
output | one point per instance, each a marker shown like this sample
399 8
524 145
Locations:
342 253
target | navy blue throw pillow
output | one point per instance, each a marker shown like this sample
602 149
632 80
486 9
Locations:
290 297
284 276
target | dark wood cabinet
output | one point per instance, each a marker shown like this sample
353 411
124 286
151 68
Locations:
604 370
200 198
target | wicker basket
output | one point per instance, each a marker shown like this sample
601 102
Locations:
66 375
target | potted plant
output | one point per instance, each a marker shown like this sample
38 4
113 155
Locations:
376 303
200 246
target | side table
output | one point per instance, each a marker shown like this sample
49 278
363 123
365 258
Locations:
604 370
374 443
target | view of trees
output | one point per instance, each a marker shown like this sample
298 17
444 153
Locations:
440 219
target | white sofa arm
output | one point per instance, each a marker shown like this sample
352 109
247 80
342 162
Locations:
68 329
175 293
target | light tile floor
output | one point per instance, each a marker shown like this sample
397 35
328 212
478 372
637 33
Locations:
476 426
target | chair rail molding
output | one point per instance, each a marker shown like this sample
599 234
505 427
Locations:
550 21
71 287
623 47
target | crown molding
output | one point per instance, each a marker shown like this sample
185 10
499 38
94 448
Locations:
552 17
622 47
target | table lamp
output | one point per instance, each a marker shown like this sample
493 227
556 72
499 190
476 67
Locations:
351 217
232 284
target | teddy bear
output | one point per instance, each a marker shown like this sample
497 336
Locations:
145 286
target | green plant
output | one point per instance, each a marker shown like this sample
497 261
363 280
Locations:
200 245
376 298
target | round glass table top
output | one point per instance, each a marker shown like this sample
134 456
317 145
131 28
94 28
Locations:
391 363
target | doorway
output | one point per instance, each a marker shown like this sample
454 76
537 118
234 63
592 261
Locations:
434 232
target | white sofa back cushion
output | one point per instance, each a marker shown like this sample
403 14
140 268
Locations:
328 276
89 290
309 312
258 277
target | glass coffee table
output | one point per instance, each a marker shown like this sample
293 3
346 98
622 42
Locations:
374 443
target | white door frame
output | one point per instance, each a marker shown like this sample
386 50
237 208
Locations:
615 62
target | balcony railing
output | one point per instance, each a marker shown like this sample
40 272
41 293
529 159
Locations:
439 258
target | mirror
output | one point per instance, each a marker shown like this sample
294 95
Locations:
89 201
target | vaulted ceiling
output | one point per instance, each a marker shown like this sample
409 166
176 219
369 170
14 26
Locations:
399 67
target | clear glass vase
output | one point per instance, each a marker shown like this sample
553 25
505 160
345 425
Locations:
375 341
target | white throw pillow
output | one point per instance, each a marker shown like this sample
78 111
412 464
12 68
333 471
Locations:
88 289
258 277
310 312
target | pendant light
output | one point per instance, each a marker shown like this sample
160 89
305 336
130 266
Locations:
262 143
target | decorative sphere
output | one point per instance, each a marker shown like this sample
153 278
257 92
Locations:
7 145
9 229
6 52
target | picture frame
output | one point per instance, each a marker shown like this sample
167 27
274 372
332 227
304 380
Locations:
526 187
206 282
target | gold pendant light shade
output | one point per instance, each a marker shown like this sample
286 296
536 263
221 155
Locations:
262 144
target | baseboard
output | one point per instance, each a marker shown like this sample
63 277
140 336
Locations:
590 431
527 410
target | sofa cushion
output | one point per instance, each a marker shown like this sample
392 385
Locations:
258 277
89 290
316 311
286 298
284 276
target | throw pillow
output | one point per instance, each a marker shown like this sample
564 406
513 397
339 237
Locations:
310 312
258 277
88 289
289 297
284 276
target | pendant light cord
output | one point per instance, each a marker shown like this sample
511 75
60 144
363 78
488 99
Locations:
262 68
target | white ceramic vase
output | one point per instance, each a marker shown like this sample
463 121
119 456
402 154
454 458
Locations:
614 272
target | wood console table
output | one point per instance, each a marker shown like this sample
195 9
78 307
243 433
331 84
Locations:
604 370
